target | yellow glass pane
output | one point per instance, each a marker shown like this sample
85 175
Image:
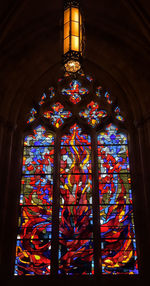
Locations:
66 16
80 39
75 43
66 30
75 14
66 45
80 19
74 28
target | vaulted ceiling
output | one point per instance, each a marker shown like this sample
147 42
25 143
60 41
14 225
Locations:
117 51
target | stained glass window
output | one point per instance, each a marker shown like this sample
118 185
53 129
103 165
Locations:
108 98
49 95
118 115
76 221
98 91
74 155
43 97
118 246
33 249
75 91
33 112
57 115
92 113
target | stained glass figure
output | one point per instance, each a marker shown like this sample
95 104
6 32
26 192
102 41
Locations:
118 115
33 112
76 220
75 91
118 244
92 114
57 115
33 249
108 98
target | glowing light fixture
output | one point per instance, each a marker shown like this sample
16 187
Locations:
72 36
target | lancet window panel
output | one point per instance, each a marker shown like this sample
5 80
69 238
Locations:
33 247
118 245
76 220
85 185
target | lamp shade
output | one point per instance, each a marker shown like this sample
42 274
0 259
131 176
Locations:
72 36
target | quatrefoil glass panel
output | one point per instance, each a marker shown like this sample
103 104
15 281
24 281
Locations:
92 114
75 91
57 114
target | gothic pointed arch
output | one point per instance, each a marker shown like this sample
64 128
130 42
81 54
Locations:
76 212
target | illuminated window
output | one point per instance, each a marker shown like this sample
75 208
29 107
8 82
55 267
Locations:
75 140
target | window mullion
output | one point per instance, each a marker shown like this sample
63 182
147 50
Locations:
55 210
96 214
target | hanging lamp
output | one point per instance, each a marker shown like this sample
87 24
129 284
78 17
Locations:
73 36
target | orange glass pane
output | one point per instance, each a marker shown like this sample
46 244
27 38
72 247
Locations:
66 30
66 16
75 28
66 45
80 38
80 19
75 43
75 14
